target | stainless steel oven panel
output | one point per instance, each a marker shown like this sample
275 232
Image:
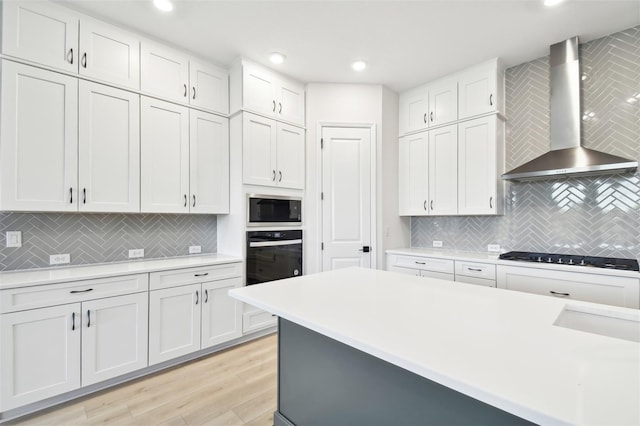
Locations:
274 197
275 243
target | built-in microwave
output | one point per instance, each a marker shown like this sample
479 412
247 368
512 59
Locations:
273 210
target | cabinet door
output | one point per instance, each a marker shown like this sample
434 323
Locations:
39 133
259 90
110 54
443 171
40 354
164 72
164 157
109 151
258 150
290 156
174 322
40 32
114 337
477 178
290 102
413 179
443 102
478 91
221 314
209 87
209 164
414 109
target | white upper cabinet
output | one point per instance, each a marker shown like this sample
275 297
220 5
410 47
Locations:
414 175
443 171
39 134
290 156
414 110
164 72
209 87
480 90
165 157
109 54
443 102
41 32
259 150
264 92
209 163
480 164
109 149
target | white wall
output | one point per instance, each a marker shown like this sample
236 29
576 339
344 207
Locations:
361 104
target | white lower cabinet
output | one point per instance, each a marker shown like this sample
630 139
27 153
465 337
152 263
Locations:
49 351
188 316
430 267
40 354
475 273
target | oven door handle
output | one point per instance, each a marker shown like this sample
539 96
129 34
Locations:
274 243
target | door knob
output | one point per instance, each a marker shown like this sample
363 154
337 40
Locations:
365 249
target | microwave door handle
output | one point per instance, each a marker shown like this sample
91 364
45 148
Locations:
274 243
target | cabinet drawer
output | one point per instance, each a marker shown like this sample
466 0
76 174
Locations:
425 263
438 275
178 277
617 291
406 271
476 281
475 269
257 320
20 299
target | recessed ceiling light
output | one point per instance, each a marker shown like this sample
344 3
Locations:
277 58
550 3
359 65
163 5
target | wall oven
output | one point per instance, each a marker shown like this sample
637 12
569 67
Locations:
273 255
273 210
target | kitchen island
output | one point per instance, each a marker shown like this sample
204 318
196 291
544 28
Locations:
363 346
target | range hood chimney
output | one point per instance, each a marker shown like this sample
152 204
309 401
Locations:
567 156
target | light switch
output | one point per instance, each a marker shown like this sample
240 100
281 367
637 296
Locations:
14 238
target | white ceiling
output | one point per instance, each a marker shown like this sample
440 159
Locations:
405 42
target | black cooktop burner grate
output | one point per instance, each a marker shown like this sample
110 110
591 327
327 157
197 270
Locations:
572 259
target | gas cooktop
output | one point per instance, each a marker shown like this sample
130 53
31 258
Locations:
572 259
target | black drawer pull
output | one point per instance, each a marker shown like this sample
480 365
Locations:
197 297
201 275
88 318
420 263
475 269
555 293
81 291
206 296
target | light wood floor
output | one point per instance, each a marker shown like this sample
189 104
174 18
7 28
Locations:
233 387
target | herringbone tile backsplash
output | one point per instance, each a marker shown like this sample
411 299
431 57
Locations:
97 238
598 216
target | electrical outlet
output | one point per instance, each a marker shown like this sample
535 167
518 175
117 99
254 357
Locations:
135 253
59 259
195 249
437 243
14 239
495 248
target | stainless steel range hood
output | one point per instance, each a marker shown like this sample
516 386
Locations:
567 156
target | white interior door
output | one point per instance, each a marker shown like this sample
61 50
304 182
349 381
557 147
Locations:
346 205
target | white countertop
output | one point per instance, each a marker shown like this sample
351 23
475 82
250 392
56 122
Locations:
30 277
493 258
497 346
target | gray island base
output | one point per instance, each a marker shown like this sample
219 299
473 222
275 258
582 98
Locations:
324 382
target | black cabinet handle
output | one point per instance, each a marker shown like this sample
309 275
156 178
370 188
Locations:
197 297
490 202
84 195
84 60
431 204
201 275
81 291
274 106
71 54
280 110
70 195
88 318
475 269
424 205
194 200
555 293
274 175
420 263
185 90
425 118
280 172
185 200
194 92
491 99
206 296
73 321
431 116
